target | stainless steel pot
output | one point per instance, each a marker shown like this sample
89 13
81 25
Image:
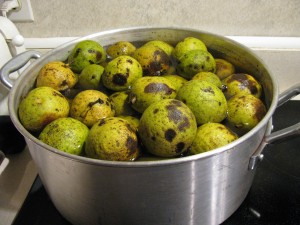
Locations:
200 189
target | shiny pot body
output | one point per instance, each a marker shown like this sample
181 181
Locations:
200 189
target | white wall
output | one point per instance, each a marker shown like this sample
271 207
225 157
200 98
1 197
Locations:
68 18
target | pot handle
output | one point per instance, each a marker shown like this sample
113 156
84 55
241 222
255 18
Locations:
280 134
15 64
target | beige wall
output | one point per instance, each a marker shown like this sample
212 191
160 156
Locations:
69 18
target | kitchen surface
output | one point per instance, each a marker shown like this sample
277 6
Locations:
269 28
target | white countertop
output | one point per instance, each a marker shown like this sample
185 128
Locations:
15 183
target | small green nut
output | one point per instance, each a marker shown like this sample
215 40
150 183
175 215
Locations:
211 136
245 111
90 106
161 44
57 75
224 68
90 77
149 89
167 128
65 134
195 61
122 107
206 101
121 48
85 53
112 139
154 60
41 106
241 83
121 73
209 77
188 44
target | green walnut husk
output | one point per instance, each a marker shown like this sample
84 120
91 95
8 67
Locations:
245 111
57 75
206 100
224 68
154 60
120 48
241 83
112 139
120 101
209 77
90 106
167 128
149 89
121 73
166 47
211 136
188 44
41 106
90 77
85 53
195 61
65 134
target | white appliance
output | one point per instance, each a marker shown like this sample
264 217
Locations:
11 44
17 171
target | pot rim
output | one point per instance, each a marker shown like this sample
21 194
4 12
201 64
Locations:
82 159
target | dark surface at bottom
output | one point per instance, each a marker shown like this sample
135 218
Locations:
274 198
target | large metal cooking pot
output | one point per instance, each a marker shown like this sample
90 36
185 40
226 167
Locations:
200 189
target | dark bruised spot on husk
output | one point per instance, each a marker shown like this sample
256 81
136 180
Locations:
176 102
155 68
158 87
160 55
78 50
131 145
54 93
129 61
208 90
184 124
101 122
253 89
170 134
179 147
48 119
260 111
99 100
155 111
245 82
158 64
130 128
237 77
119 79
174 114
64 83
